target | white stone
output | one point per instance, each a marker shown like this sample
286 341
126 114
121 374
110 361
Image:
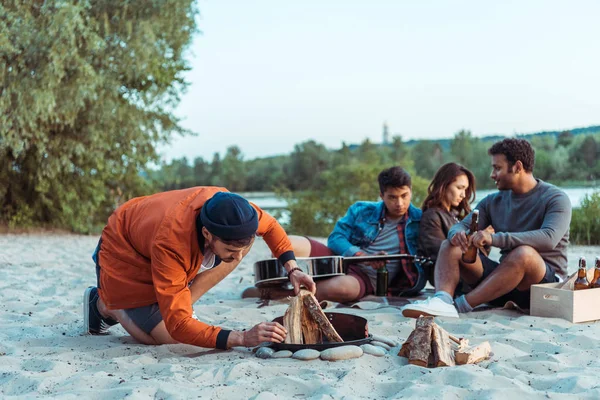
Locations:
373 350
341 353
282 354
385 340
306 354
265 352
381 344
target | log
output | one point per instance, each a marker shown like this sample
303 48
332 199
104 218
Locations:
417 347
292 321
310 328
474 354
443 356
317 314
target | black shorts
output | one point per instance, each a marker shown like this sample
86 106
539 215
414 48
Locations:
145 317
520 297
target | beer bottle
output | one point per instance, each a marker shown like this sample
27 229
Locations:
382 282
470 255
596 280
581 282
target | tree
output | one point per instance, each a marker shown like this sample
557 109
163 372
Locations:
428 157
233 172
307 161
86 96
216 170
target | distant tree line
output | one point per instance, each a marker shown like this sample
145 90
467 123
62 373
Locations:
563 159
319 184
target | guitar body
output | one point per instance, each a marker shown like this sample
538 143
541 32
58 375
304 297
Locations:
271 273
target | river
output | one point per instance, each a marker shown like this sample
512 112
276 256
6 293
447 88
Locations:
269 202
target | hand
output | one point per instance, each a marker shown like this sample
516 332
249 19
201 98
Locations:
373 264
482 238
460 240
264 332
299 278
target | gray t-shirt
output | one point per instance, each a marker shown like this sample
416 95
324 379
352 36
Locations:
539 218
387 240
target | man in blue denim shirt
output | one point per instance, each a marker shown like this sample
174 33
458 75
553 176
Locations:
390 226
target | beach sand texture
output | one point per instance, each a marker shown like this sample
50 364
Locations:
43 352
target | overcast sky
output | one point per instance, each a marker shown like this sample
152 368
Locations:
269 74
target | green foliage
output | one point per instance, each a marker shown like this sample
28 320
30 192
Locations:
86 96
585 222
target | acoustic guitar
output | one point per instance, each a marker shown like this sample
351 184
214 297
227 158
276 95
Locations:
271 273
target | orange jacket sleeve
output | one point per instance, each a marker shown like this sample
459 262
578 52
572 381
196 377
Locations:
274 236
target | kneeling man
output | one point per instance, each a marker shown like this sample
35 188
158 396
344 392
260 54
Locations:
159 254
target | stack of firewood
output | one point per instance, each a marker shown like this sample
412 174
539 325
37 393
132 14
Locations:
429 345
306 323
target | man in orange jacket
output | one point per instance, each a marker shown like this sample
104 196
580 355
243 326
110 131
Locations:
159 254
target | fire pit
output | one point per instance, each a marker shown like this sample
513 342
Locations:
352 328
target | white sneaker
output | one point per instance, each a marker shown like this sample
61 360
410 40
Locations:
431 307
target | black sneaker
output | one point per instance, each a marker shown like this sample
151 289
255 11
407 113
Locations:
93 322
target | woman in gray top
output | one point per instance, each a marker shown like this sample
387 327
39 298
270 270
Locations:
448 201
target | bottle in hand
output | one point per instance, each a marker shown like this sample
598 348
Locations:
382 282
595 283
470 255
581 282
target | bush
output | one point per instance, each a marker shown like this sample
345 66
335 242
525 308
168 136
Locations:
585 223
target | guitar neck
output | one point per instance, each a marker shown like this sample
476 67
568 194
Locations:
381 257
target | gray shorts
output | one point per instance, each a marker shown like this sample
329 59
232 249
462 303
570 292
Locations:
145 317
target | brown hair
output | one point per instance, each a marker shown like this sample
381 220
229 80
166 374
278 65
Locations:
442 179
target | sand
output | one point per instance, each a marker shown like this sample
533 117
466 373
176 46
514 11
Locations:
43 352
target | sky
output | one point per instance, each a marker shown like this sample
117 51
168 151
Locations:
269 74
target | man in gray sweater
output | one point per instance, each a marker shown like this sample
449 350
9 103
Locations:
527 219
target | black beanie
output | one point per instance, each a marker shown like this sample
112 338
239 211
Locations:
229 216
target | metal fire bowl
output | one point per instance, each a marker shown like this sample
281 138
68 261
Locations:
352 328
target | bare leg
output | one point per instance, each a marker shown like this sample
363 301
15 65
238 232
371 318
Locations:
449 269
135 331
522 268
301 245
339 288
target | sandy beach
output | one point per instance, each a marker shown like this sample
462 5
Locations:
43 352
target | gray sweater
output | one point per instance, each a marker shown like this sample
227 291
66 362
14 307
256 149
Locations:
539 218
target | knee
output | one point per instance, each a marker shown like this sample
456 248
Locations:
447 250
301 245
523 255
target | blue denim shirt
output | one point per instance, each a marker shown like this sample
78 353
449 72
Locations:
361 225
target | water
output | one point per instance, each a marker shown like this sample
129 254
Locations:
269 202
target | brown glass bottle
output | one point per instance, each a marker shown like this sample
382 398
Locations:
595 283
382 282
470 255
581 282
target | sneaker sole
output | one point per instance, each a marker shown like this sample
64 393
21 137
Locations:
86 310
411 313
416 314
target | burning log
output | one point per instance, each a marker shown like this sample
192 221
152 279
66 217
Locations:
306 322
429 345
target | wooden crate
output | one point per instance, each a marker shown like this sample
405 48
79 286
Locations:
548 300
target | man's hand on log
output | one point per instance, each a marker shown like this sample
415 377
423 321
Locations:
264 332
299 278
